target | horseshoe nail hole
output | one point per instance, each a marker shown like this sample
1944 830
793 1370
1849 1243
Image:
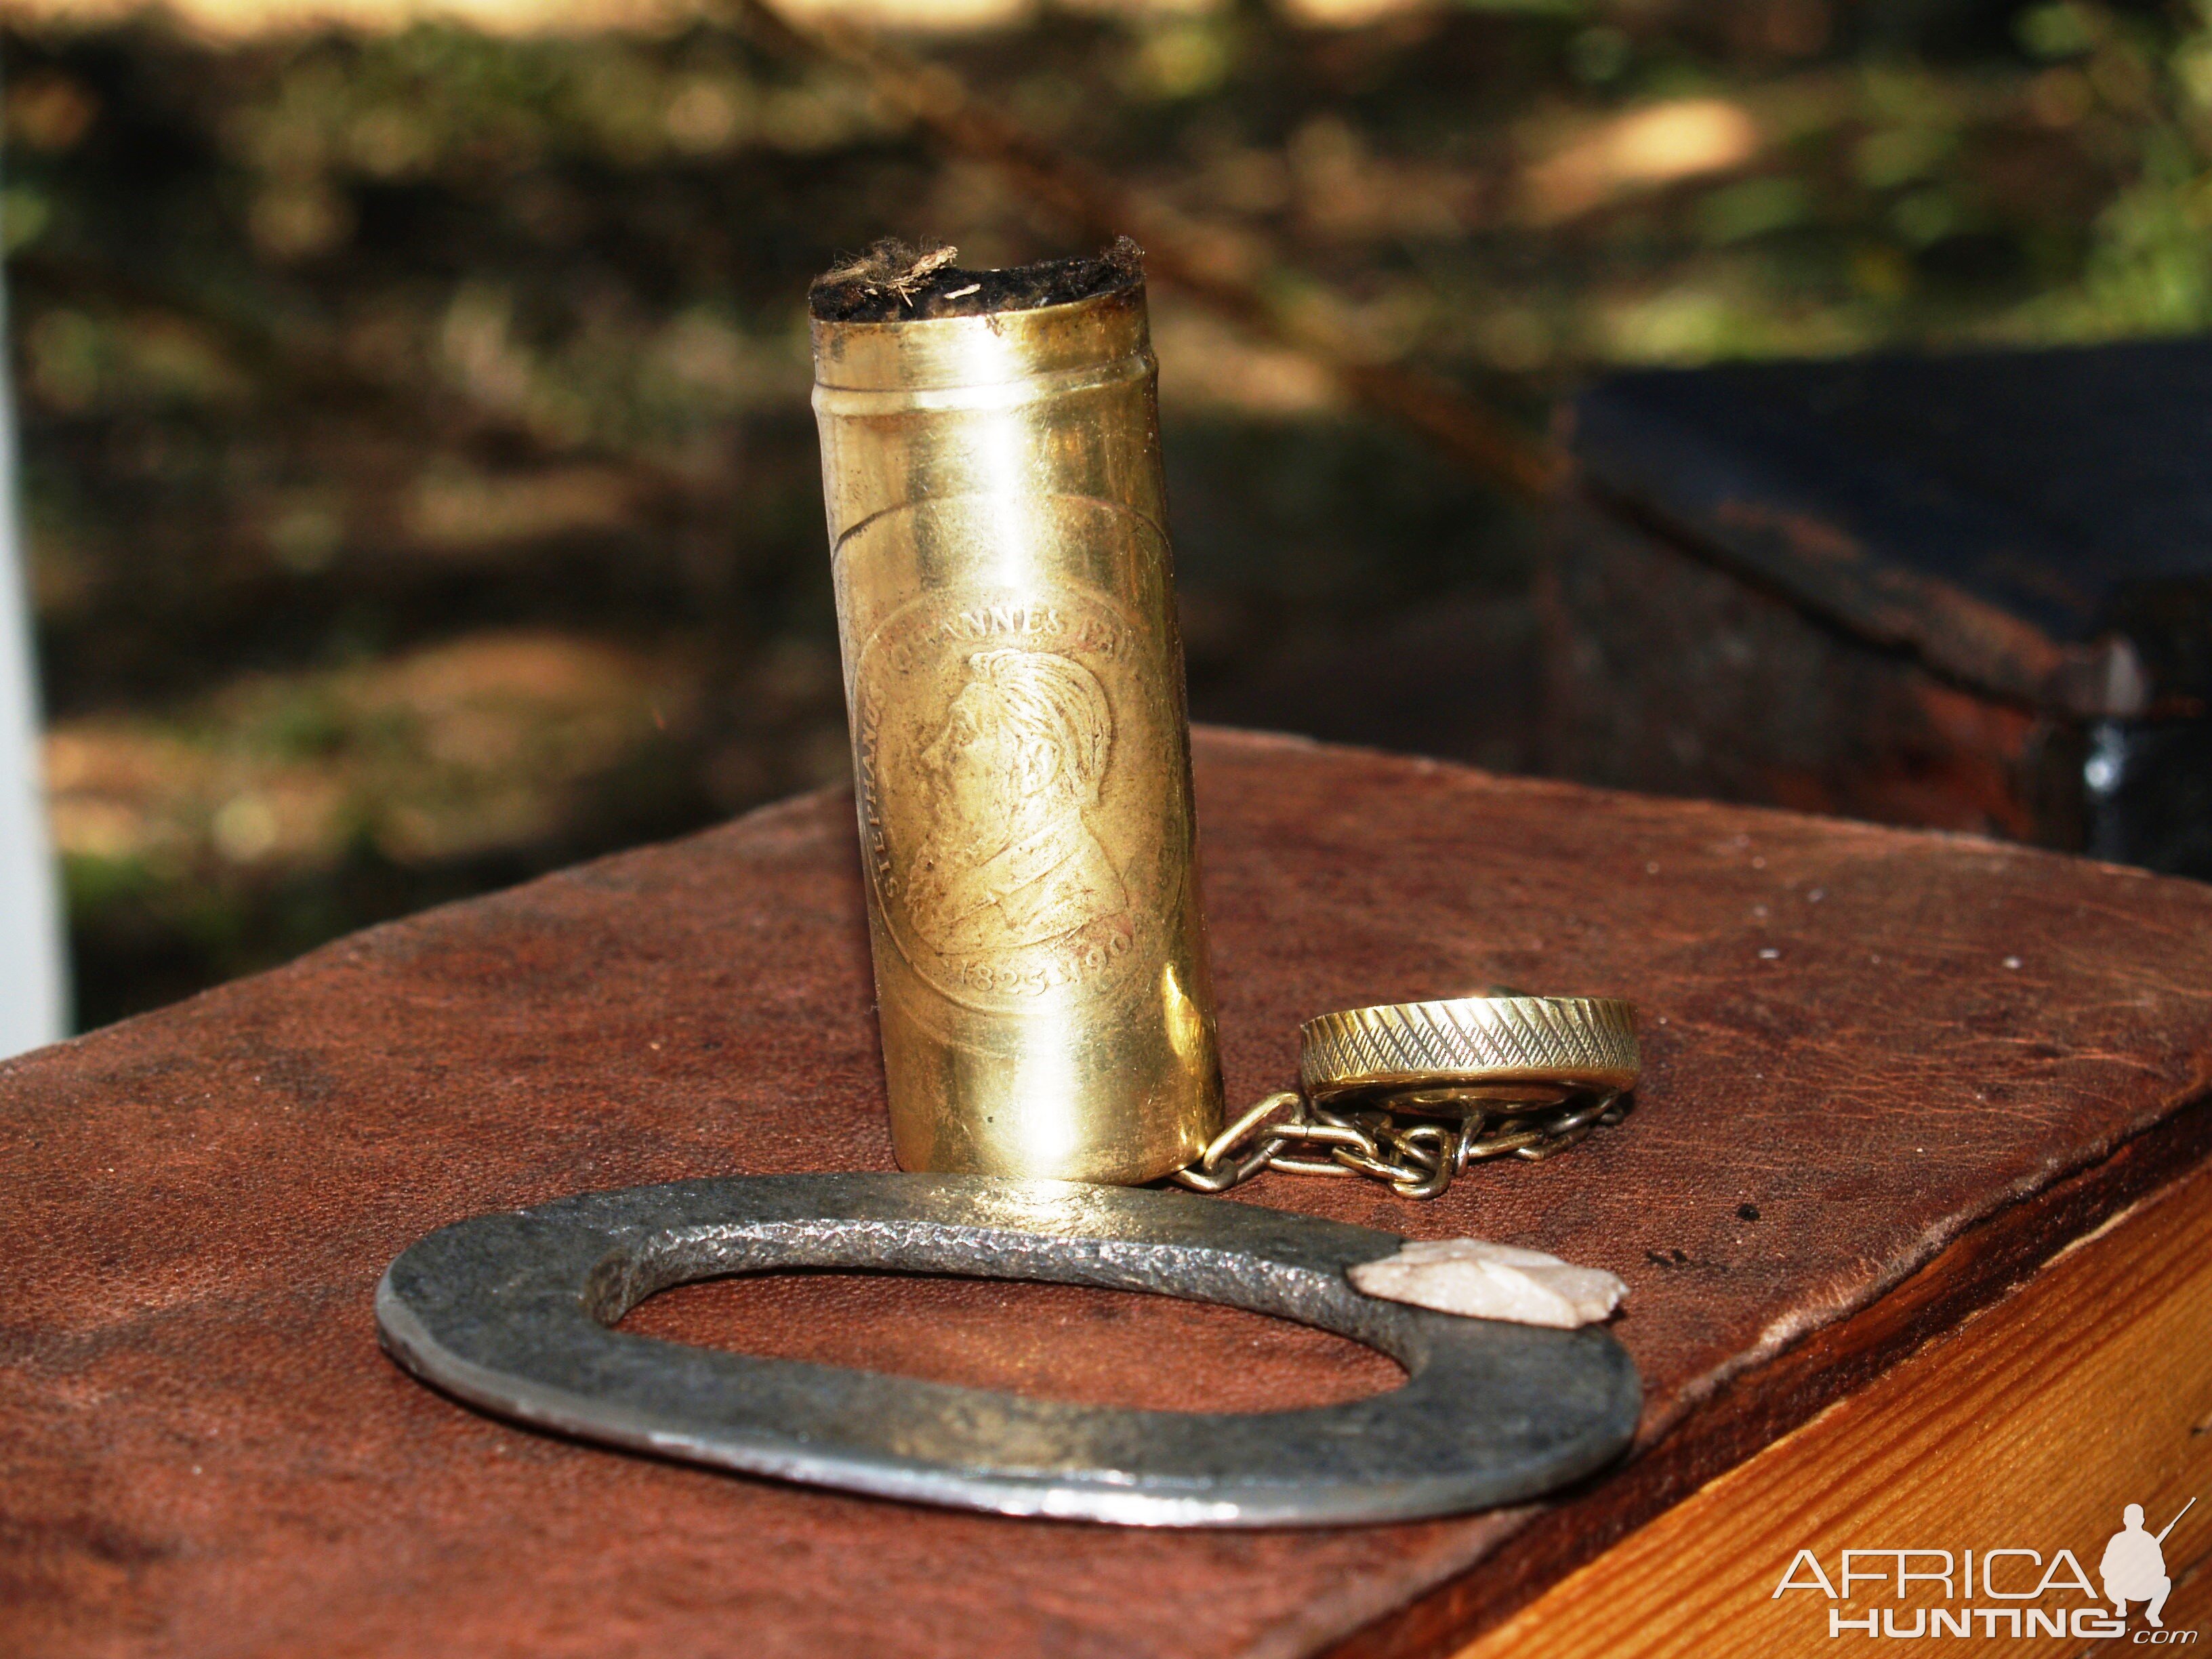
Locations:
1068 1342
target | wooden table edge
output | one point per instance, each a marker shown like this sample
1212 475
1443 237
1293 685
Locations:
1755 1408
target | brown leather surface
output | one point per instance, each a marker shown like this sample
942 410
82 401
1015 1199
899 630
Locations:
203 1452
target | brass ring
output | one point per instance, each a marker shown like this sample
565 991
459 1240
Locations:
1472 1051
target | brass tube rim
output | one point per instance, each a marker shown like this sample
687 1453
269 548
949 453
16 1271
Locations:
995 348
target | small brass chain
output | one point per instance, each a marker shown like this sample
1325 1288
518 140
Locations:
1413 1146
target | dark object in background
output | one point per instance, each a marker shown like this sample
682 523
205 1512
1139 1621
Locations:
1969 592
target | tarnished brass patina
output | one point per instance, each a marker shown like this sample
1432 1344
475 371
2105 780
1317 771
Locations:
1021 749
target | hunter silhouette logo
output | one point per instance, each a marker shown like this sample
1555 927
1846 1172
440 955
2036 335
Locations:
1994 1593
2133 1567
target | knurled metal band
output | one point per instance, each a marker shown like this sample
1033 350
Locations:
1577 1043
1412 1092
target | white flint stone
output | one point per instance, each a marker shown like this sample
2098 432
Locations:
1491 1281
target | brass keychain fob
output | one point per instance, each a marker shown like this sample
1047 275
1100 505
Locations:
1021 757
1411 1093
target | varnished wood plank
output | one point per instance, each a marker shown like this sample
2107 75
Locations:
2086 1389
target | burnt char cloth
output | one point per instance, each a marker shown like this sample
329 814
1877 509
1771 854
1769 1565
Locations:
1886 1073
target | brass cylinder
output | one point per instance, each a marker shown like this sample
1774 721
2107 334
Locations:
1021 748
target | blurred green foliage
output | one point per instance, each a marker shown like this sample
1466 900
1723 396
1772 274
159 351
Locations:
417 460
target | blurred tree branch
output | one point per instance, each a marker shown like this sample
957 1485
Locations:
1199 259
315 376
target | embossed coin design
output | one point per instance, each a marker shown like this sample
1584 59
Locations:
995 735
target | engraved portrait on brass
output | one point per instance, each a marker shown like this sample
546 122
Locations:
1001 870
1021 752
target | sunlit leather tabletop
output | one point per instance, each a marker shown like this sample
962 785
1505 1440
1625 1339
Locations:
1867 1051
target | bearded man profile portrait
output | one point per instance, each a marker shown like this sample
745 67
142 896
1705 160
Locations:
1010 860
